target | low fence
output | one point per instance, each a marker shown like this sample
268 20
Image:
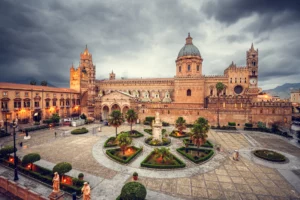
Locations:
19 190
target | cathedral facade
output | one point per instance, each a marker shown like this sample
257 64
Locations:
189 94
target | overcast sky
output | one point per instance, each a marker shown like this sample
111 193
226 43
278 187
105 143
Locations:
41 39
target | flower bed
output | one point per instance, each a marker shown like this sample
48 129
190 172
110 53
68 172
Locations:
111 142
192 154
269 155
78 131
118 156
176 134
164 142
133 134
149 131
207 144
152 162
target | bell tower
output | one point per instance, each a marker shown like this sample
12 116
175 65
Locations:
252 65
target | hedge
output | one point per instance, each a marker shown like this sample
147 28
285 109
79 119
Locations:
180 165
181 150
78 131
207 144
47 121
110 145
248 125
149 131
35 128
165 124
231 124
7 150
273 156
133 191
4 134
62 168
149 119
267 130
190 125
31 158
136 134
164 142
77 182
110 154
224 128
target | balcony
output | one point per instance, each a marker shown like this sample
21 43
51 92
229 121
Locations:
4 109
67 106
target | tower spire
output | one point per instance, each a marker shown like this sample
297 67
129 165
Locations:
189 39
252 48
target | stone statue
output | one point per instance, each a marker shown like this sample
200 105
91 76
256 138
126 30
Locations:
157 119
55 181
86 191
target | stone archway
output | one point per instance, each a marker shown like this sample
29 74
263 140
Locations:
125 109
115 107
105 112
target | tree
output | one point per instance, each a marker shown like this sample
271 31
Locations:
30 158
220 87
7 150
83 116
55 118
180 124
163 153
33 82
44 83
131 117
62 168
199 131
124 141
116 119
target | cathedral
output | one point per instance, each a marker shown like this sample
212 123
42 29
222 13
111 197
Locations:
189 94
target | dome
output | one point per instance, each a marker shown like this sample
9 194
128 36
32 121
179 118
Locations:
189 49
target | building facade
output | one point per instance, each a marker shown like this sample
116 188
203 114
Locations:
295 97
189 94
23 102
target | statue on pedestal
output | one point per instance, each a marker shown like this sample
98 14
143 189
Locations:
55 181
86 191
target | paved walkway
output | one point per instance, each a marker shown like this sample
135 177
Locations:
220 178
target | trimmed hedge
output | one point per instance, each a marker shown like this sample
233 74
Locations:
134 134
133 191
172 134
78 131
77 182
110 145
165 124
269 155
248 125
30 158
165 142
7 150
179 165
62 168
231 124
149 131
47 121
181 150
4 134
110 153
267 130
207 144
35 128
224 128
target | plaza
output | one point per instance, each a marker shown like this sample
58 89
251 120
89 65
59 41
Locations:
218 178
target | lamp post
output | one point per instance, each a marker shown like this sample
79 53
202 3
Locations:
15 125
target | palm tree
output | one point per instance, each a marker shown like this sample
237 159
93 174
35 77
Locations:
199 131
219 86
33 82
180 124
131 117
124 141
163 153
44 83
116 119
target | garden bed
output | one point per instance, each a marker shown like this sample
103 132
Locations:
176 134
164 142
192 154
152 162
269 155
149 131
111 142
207 144
117 154
133 134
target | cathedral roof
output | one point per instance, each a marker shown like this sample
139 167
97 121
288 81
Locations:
189 49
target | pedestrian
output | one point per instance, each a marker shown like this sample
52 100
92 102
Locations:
21 144
55 134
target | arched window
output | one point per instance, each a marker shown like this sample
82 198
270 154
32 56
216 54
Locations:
261 111
198 67
211 92
179 68
188 92
189 67
253 63
245 80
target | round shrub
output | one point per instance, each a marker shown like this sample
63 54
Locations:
82 130
133 191
269 155
62 168
7 150
80 175
31 158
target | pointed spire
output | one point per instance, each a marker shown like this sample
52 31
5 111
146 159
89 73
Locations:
189 39
252 48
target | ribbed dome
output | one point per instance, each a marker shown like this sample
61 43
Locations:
189 49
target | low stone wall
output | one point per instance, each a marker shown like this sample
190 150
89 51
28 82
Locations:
19 190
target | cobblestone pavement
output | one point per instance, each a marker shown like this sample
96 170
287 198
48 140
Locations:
229 179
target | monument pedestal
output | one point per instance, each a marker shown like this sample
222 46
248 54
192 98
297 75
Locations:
56 195
27 137
157 128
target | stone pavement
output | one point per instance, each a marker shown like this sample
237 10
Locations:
219 178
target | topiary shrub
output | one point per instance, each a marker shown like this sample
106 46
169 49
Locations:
7 150
133 191
31 158
78 131
80 176
248 125
231 124
62 168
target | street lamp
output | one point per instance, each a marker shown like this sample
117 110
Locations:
15 125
